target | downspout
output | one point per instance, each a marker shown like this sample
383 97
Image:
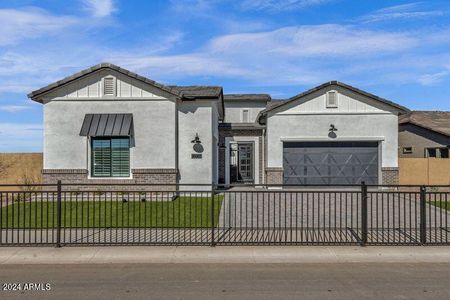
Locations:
263 165
177 175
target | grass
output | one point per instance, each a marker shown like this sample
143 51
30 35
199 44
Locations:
188 212
441 204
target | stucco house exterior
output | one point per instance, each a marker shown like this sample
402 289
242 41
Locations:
424 134
106 124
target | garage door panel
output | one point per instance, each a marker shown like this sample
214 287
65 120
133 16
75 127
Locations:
330 163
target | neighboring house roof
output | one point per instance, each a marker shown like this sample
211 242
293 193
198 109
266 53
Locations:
196 91
437 121
402 109
247 97
187 93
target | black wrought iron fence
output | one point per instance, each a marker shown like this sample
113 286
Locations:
68 214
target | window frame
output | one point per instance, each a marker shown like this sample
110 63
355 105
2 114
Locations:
407 150
438 153
91 153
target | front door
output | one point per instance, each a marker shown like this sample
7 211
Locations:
241 163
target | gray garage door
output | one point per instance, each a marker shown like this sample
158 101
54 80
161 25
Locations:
330 162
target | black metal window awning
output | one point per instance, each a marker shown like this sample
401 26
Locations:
98 125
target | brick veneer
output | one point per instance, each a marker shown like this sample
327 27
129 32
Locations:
229 132
140 176
389 175
274 175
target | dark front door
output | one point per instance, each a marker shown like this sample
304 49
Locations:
330 163
241 163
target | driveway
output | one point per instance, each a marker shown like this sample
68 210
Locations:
328 216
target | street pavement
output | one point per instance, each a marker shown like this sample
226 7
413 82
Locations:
231 281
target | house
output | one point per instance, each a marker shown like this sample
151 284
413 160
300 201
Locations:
424 134
106 124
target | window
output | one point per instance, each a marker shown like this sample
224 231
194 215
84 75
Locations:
108 86
407 150
110 157
332 99
245 116
441 152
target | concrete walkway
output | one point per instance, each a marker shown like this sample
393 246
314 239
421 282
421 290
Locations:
108 255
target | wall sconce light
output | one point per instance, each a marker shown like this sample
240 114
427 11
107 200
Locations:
196 140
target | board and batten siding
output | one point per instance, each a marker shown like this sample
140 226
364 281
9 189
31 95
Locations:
347 102
92 87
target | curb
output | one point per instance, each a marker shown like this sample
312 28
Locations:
229 255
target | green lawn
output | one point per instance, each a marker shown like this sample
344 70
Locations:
441 204
188 212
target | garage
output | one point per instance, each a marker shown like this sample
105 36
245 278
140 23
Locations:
330 163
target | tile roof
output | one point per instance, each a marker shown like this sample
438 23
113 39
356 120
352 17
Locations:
438 121
198 91
246 97
33 95
179 91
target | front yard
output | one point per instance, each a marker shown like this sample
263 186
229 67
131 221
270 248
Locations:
442 204
187 212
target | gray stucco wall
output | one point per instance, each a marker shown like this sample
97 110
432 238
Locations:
419 139
195 117
233 110
154 127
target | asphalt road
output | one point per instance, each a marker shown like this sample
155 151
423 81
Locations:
232 281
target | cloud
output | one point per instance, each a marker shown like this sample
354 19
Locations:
310 41
434 78
404 11
288 55
13 108
100 8
30 22
20 137
279 5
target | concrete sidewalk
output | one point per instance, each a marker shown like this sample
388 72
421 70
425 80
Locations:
137 254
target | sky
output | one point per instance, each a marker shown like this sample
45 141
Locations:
398 50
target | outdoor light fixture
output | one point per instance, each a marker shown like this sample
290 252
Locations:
332 128
196 140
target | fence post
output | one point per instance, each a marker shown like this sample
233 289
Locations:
58 215
363 213
423 216
213 242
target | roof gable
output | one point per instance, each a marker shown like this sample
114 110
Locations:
37 94
332 85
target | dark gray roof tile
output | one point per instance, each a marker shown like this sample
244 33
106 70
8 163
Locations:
247 97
